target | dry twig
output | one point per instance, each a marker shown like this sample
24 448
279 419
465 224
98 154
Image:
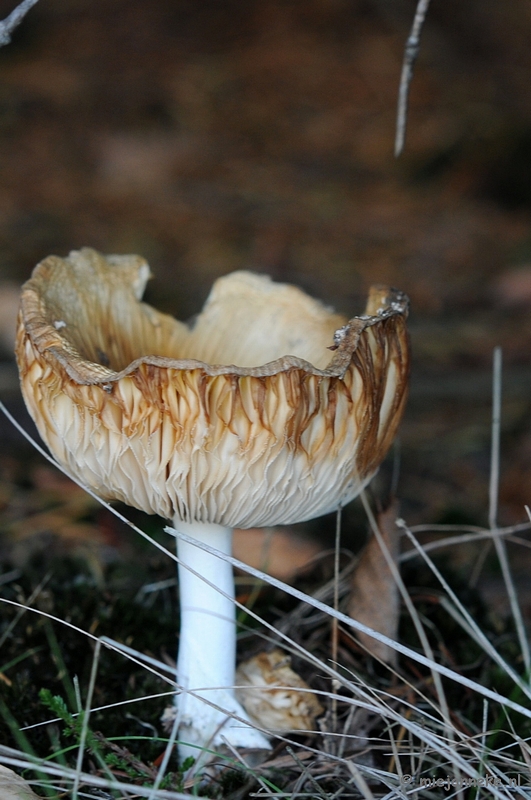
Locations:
410 56
13 20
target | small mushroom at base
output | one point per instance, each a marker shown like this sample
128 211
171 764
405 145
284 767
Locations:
244 420
274 695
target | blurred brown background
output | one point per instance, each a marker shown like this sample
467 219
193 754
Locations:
213 135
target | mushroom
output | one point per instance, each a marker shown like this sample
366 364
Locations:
244 419
274 695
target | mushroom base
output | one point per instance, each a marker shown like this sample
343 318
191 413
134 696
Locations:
209 714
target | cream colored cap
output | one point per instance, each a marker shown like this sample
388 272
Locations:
246 419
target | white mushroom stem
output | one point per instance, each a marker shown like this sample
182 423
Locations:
207 648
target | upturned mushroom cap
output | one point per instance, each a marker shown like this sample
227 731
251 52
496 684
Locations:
244 419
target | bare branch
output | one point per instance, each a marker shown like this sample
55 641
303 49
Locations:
410 56
8 25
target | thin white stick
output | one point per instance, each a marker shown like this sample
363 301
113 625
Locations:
249 770
499 544
86 717
495 440
166 758
73 627
137 654
8 25
410 56
359 781
335 625
483 739
103 708
478 535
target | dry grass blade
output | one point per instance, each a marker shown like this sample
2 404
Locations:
13 20
86 715
360 782
476 534
410 56
499 543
